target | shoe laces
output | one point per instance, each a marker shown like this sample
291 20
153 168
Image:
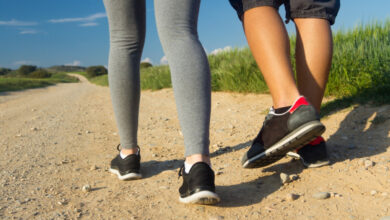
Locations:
180 172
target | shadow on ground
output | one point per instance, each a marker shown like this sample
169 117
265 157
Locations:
153 167
363 133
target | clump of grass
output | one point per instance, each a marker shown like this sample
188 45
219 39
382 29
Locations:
18 83
156 77
100 80
236 71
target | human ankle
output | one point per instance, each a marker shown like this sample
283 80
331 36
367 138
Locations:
126 152
285 101
195 158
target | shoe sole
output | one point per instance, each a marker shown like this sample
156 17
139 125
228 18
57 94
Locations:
308 165
129 176
201 198
296 139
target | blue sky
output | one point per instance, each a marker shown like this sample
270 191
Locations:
75 32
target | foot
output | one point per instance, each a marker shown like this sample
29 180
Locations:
312 155
127 168
198 185
283 132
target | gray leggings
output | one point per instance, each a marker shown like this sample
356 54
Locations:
177 28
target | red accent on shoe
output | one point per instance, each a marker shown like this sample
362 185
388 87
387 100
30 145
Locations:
317 141
300 101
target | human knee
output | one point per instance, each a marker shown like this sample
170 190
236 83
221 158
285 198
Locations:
127 40
178 32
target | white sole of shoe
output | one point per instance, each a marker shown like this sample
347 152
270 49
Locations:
202 198
129 176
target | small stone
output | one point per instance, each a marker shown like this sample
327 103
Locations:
18 135
294 177
62 202
34 129
368 164
93 167
86 188
219 173
33 110
115 134
218 217
284 178
87 132
385 194
321 195
164 187
291 197
154 155
373 192
181 133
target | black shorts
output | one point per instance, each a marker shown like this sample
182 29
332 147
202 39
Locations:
326 9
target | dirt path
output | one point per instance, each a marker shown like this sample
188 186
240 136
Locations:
56 139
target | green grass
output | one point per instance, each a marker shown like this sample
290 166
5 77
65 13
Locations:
360 71
18 83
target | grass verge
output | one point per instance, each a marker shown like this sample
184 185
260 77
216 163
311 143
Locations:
18 83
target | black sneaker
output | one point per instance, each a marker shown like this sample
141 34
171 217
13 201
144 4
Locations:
198 185
282 133
128 168
312 155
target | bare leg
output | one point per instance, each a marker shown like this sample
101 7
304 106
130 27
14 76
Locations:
268 40
314 49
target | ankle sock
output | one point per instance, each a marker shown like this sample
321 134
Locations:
187 167
282 110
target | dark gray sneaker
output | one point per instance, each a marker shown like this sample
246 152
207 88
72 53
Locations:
198 185
127 168
282 133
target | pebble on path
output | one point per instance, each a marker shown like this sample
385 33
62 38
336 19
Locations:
368 164
86 188
284 178
291 197
321 195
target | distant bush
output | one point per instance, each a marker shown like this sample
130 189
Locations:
94 71
145 65
64 68
40 74
25 70
4 71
